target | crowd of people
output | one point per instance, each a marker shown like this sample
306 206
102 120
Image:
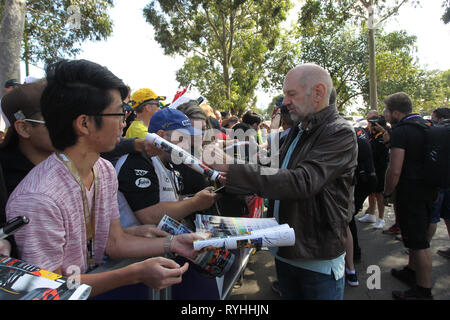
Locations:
76 161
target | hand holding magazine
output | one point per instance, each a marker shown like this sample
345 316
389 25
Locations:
214 262
235 233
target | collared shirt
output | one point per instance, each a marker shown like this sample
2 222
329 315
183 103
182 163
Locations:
337 265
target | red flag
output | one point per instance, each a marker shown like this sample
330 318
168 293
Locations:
179 94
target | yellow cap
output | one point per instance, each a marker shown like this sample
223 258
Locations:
142 95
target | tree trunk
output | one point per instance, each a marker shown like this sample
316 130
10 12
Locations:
373 98
11 33
372 71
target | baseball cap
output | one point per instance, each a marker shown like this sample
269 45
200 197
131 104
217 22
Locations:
172 119
143 95
11 83
21 103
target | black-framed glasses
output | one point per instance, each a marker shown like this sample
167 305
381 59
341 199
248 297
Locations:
123 115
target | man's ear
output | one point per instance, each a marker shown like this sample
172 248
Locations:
23 128
160 133
82 125
319 92
395 114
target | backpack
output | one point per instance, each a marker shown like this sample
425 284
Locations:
437 150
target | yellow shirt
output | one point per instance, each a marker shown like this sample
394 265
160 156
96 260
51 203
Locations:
136 130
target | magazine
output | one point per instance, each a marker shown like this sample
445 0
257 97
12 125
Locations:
214 262
217 226
236 233
20 280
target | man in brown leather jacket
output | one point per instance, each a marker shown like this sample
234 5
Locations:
312 191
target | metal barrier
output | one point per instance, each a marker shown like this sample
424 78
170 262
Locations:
228 280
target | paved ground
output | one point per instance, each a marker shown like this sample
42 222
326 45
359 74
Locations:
377 249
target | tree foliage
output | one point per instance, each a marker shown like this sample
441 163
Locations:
446 15
225 44
330 35
47 35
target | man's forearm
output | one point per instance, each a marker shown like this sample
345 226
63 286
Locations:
176 210
130 246
391 182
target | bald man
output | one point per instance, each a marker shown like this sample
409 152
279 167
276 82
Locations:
312 190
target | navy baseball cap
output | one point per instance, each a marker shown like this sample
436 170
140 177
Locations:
172 119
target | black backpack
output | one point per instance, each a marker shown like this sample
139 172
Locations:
437 150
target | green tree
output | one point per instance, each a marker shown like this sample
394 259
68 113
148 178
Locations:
328 36
55 29
446 15
324 36
372 13
225 44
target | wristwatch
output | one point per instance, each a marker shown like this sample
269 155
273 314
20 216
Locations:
387 195
168 245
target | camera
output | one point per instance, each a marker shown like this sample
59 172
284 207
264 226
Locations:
380 120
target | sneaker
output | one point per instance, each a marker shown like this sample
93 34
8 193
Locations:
379 224
352 279
444 253
276 287
411 294
367 218
392 230
405 275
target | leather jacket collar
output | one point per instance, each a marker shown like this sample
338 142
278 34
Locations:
318 118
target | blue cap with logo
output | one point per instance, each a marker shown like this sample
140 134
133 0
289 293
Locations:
172 119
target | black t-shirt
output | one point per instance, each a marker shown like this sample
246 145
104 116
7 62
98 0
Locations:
138 181
15 167
380 152
410 138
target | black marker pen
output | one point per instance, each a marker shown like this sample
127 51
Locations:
12 226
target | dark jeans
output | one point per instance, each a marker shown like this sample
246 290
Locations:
362 191
301 284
